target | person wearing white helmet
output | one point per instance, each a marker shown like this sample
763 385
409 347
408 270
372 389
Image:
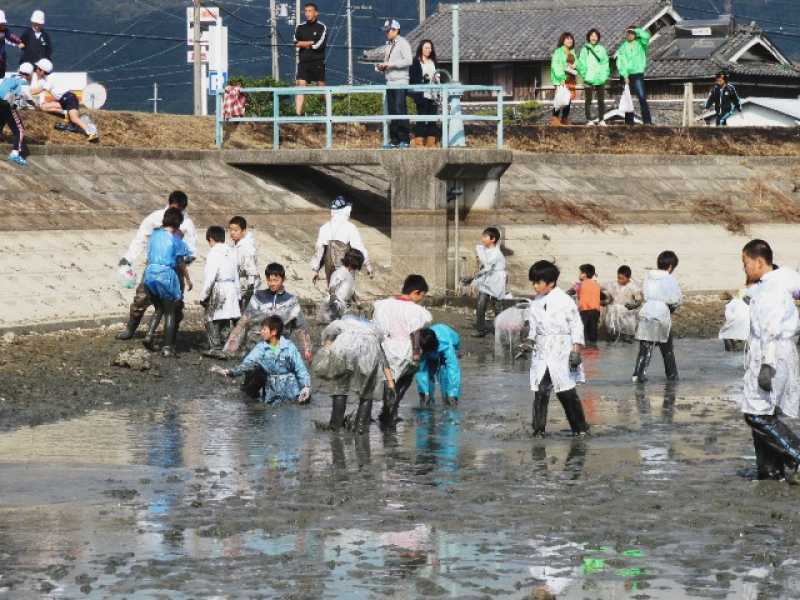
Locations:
12 88
56 100
37 41
7 38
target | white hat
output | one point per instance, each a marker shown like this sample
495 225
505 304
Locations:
26 68
391 24
45 65
38 17
3 17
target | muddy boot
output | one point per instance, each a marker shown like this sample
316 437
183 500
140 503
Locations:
425 400
363 449
152 327
391 405
769 464
170 328
215 340
540 401
574 411
777 435
451 401
642 362
668 354
130 329
338 410
363 416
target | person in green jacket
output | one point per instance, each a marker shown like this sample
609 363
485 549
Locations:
632 64
563 72
594 69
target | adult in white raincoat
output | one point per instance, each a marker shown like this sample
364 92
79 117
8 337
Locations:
662 296
771 380
556 330
141 299
335 238
220 293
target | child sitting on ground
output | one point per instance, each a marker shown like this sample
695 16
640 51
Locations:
662 297
588 292
490 278
342 287
274 300
220 295
400 320
244 245
625 297
439 344
274 370
556 330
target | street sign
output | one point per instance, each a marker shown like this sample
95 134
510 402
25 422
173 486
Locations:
209 15
204 55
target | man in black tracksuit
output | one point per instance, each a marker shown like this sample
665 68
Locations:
724 99
310 38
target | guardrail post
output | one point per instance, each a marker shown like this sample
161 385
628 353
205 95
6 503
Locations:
445 117
218 124
385 119
276 115
500 117
328 123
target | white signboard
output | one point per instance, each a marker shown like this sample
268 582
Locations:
209 15
701 31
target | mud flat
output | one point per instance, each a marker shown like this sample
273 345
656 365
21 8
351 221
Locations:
165 482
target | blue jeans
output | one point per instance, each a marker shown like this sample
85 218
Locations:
637 89
399 129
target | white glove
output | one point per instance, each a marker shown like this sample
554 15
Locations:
217 370
305 394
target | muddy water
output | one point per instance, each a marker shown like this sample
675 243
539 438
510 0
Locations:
206 496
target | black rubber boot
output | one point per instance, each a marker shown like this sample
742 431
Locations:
668 354
540 401
574 411
777 435
425 400
480 315
385 418
130 329
769 464
363 416
170 328
152 327
451 401
215 342
642 362
338 410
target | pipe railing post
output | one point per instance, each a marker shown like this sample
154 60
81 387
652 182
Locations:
329 122
385 120
219 132
276 115
500 117
445 116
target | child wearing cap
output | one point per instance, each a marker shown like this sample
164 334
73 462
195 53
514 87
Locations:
58 101
11 89
36 40
335 238
7 38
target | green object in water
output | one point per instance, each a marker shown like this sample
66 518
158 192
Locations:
633 553
593 565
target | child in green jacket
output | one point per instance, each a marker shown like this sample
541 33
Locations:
594 69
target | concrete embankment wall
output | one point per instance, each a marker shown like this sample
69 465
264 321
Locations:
69 216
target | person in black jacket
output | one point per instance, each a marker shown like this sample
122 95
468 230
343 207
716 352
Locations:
310 38
6 39
724 99
422 71
37 41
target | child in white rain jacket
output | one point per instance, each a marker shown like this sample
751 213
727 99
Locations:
662 296
220 294
491 277
771 382
620 314
244 244
736 329
342 287
556 330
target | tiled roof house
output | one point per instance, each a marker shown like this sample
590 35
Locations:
510 44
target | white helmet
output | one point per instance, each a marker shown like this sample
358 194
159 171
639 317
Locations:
38 17
45 65
3 17
26 68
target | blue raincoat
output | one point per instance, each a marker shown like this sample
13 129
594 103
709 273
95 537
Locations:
441 364
164 249
286 372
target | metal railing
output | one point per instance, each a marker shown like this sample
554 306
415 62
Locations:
449 115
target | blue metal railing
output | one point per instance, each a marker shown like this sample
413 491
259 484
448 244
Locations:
449 115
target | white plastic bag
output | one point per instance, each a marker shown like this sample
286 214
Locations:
626 101
127 277
562 98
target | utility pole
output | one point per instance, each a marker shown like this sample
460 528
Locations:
349 43
273 32
198 60
155 97
422 11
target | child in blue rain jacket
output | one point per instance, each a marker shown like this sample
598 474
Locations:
439 344
274 369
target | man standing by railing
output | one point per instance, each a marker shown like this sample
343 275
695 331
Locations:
310 38
397 59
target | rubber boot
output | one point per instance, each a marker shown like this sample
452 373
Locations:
214 335
338 410
540 401
769 464
777 435
152 327
451 401
574 411
642 362
425 400
385 418
130 329
363 416
670 366
170 328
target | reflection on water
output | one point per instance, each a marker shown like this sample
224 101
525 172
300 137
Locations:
110 495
